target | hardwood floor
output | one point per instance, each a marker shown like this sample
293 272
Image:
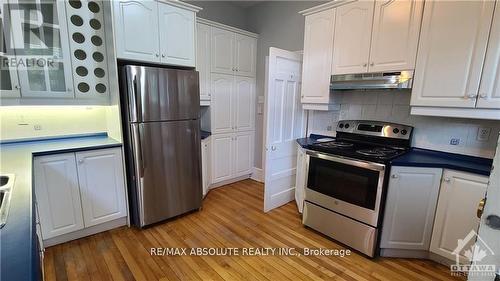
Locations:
231 217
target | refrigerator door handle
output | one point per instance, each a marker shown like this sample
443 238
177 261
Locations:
136 139
132 89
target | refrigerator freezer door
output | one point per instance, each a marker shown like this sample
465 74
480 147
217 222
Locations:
168 169
159 94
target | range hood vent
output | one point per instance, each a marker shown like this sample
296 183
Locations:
372 81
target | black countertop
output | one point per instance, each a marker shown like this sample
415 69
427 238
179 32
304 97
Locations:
418 157
204 134
19 256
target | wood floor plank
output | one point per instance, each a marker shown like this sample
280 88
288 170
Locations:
232 216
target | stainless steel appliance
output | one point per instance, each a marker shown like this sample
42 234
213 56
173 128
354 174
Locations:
370 81
161 120
347 180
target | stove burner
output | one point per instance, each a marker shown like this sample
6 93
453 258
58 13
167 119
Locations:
336 144
377 152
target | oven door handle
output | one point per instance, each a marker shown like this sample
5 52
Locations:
358 163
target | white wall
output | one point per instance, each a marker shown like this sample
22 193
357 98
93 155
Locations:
394 106
278 25
225 12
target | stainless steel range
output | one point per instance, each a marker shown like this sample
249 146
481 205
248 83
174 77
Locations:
347 180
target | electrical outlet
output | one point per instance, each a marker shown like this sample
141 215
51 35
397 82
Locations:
455 141
483 134
37 127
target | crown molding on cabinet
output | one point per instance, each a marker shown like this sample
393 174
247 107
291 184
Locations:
227 27
182 5
326 6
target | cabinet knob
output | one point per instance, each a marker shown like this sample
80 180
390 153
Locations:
365 64
372 64
483 95
273 148
394 176
80 161
162 55
17 87
447 180
157 55
472 96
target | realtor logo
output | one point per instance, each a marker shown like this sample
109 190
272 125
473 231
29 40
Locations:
474 254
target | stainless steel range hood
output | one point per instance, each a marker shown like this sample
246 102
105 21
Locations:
372 81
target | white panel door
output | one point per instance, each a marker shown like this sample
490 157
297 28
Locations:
245 54
203 59
57 194
489 89
222 105
351 44
244 103
222 157
243 153
396 26
136 30
451 52
177 35
284 123
410 208
456 212
318 50
222 59
102 185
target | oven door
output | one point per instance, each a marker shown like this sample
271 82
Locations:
350 187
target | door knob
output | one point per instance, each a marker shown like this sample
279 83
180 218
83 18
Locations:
493 221
480 208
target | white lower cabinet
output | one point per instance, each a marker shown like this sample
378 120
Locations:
300 178
456 212
205 164
232 155
409 212
79 190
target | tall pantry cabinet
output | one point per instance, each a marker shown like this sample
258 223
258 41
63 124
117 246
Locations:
226 61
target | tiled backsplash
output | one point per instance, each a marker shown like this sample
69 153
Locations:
394 106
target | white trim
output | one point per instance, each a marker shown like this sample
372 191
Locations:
227 27
204 102
182 5
319 106
475 113
257 175
326 6
229 181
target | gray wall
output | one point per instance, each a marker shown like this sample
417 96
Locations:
278 25
225 12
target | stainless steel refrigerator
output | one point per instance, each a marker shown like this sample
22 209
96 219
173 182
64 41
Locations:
161 121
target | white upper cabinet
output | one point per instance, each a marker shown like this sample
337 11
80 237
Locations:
177 39
318 50
456 212
158 32
489 89
137 30
245 54
410 207
451 53
244 103
102 185
203 59
351 44
394 38
221 109
222 51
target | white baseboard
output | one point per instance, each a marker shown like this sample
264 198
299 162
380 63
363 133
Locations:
229 181
257 175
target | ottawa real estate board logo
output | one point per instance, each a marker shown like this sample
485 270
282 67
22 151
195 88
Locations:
470 260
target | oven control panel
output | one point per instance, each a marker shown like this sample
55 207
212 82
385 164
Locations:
375 128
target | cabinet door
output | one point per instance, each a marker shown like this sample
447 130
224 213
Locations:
410 208
448 68
396 26
456 212
244 103
102 185
243 153
136 30
221 109
351 44
245 54
177 41
222 58
318 50
9 84
205 164
52 79
300 178
222 157
203 59
57 194
489 90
